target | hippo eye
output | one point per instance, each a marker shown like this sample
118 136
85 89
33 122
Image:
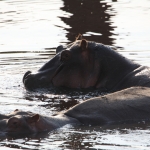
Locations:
65 55
14 123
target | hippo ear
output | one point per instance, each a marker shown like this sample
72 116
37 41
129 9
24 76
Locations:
79 37
35 118
83 44
65 55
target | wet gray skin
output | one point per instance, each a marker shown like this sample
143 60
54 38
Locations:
126 106
84 64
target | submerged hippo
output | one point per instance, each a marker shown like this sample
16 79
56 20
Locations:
126 106
84 64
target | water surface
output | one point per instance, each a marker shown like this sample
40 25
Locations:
29 33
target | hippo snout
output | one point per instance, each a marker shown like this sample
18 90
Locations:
32 81
28 79
26 75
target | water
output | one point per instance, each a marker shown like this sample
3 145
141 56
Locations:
29 33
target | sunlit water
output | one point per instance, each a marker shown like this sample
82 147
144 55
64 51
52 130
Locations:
29 33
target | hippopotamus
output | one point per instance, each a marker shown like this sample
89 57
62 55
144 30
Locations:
127 106
88 65
28 122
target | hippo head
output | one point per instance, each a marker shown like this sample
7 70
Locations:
80 65
73 66
22 122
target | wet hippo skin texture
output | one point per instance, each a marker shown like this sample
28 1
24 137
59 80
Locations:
132 104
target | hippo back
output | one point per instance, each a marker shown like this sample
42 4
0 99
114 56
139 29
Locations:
128 105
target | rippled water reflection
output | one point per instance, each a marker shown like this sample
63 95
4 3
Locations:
29 33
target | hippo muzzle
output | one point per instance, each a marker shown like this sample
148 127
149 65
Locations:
32 81
42 79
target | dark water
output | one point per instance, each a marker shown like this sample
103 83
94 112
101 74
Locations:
29 33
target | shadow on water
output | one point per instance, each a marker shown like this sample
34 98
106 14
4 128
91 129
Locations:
89 18
60 98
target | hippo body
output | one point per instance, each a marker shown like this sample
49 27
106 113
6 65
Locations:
84 64
127 106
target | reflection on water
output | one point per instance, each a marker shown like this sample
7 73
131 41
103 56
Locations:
29 33
89 18
68 137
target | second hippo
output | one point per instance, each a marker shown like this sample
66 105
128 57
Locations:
127 106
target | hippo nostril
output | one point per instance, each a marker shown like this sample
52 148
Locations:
29 82
26 75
